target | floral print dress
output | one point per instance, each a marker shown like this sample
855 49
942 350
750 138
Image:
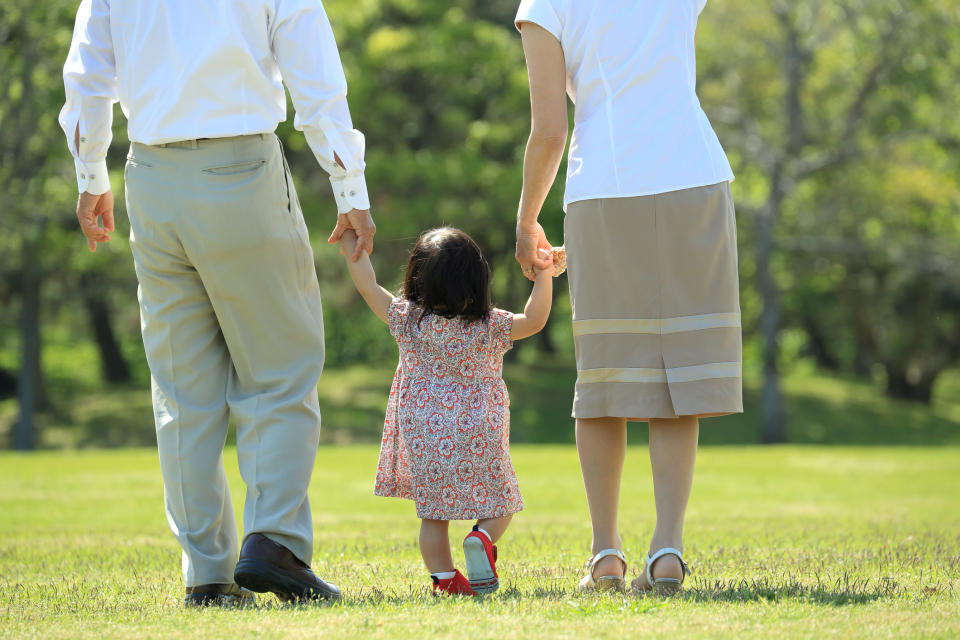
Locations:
446 435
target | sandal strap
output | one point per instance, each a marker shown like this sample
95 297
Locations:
666 551
605 554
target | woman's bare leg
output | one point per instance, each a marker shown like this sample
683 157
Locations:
602 445
673 450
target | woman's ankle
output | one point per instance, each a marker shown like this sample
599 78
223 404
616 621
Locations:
609 566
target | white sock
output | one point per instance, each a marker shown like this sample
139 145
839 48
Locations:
486 534
443 575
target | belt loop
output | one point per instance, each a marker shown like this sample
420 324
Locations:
194 144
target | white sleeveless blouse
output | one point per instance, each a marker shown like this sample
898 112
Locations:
631 73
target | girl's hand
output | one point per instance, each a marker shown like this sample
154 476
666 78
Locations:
529 241
546 256
348 242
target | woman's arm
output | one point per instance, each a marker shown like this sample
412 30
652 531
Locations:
537 310
546 69
361 270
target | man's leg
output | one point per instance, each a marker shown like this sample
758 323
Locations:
189 366
252 252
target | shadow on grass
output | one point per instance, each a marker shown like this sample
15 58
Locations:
846 590
822 410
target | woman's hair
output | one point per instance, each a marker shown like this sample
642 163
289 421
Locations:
448 276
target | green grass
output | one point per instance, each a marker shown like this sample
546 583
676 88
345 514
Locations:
822 409
797 541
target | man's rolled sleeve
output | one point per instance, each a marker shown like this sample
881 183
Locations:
350 191
90 83
306 52
92 177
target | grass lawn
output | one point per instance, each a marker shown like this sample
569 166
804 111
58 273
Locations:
798 541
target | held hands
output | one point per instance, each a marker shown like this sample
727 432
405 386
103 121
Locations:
529 242
90 209
362 224
546 273
348 243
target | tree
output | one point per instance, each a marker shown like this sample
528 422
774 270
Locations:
39 235
809 103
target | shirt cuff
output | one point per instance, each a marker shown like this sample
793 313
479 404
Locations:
92 177
350 193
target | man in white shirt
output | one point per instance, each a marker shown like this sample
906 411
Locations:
230 303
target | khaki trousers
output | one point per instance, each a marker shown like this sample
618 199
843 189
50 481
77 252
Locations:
232 326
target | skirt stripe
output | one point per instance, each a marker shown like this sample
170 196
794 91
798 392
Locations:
655 326
677 374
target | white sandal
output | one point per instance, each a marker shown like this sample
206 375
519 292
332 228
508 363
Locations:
663 586
604 583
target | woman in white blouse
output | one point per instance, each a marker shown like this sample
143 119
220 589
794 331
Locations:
651 251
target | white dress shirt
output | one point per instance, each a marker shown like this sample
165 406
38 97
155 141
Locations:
631 72
189 69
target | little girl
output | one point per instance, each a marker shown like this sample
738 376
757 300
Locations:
446 435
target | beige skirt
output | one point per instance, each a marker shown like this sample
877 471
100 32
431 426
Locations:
656 304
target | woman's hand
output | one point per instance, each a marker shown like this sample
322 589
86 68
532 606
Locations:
529 241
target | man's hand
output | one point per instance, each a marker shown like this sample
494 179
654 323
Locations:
90 209
529 241
362 223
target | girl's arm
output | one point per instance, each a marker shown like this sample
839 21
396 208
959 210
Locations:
376 297
535 314
548 136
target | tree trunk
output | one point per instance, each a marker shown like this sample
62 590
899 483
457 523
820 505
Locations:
113 365
865 351
28 386
772 418
905 385
818 345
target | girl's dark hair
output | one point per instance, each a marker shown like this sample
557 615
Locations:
448 276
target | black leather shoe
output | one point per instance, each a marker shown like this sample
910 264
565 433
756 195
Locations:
267 566
219 595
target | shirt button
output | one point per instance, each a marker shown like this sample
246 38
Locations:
342 194
92 177
353 193
83 175
82 139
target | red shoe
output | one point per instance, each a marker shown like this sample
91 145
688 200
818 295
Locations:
481 555
457 585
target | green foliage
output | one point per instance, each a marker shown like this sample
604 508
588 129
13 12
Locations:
848 107
785 542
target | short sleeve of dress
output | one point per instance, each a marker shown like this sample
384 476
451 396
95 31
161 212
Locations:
397 315
501 326
542 13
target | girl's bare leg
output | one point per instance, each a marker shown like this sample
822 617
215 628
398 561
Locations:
495 527
435 545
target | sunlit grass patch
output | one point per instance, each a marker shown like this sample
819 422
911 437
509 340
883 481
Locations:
784 542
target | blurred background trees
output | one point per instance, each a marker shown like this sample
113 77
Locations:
839 118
